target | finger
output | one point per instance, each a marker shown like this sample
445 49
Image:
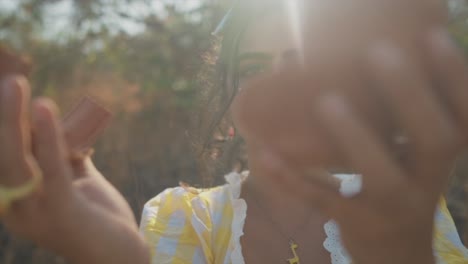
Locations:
14 129
316 188
323 190
360 148
322 178
451 71
50 148
14 112
433 136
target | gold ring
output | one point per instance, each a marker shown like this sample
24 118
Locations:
9 195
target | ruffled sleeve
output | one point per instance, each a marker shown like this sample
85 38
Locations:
176 227
239 208
448 246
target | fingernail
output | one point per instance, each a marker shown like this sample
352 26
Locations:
384 52
331 103
441 39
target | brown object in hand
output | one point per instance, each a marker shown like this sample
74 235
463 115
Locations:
83 125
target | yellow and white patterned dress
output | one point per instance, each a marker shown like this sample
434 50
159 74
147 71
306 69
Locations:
204 227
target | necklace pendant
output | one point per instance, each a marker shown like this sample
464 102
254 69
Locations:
293 246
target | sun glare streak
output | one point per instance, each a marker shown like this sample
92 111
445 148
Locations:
293 8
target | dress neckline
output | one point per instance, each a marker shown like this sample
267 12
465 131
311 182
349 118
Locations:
332 243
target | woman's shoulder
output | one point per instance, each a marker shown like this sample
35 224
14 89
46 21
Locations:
180 202
183 197
186 219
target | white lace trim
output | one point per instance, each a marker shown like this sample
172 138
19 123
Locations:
350 186
239 207
333 244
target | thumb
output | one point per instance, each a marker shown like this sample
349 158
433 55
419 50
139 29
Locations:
50 148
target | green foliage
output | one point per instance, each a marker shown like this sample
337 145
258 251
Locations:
143 72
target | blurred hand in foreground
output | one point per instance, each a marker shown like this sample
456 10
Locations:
391 219
75 212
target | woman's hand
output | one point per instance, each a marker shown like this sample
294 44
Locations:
392 219
86 220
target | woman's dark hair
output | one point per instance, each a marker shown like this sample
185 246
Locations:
218 150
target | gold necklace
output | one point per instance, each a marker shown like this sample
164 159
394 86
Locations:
293 246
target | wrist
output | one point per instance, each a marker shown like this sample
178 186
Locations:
126 249
97 237
119 244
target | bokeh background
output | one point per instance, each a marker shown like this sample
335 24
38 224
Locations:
141 59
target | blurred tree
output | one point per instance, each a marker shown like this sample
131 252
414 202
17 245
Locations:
136 57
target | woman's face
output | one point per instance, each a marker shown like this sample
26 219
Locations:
337 39
267 45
